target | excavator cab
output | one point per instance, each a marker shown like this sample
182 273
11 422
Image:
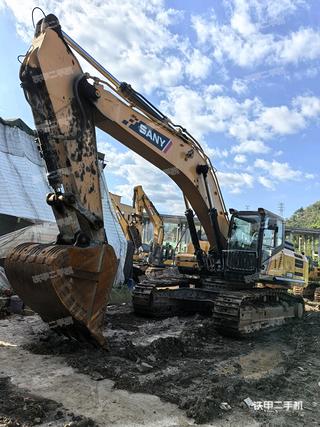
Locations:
253 237
257 250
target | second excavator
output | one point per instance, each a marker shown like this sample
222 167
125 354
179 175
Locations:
243 279
141 204
132 227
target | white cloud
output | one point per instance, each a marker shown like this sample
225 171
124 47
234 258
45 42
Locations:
275 11
310 72
278 153
134 40
169 16
303 44
239 86
281 120
248 122
244 40
308 106
266 182
240 158
251 146
235 182
310 176
214 89
277 170
215 152
241 20
198 66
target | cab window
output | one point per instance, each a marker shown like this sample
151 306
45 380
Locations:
245 232
272 237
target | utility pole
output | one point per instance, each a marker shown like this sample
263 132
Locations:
281 209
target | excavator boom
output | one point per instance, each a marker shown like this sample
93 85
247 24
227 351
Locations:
128 117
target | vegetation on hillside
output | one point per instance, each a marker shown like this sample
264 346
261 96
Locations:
308 217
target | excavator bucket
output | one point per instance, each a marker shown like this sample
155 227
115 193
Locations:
67 286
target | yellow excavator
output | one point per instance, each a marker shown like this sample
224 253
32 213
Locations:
133 227
187 261
142 203
312 290
243 279
130 230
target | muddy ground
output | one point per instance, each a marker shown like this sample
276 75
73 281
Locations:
183 361
18 407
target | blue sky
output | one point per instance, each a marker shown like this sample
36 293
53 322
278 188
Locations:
241 75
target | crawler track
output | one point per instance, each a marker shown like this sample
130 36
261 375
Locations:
244 312
235 312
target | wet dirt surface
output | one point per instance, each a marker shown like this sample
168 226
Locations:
18 408
184 361
37 379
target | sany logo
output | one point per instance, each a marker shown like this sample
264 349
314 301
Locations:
152 135
156 138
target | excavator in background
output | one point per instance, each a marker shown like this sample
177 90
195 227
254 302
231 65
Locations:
133 227
312 289
144 261
244 278
187 262
130 230
142 203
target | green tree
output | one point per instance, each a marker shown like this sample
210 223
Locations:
308 217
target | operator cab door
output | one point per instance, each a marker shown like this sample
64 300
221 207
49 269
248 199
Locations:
242 256
272 238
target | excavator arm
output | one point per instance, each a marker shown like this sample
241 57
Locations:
141 203
130 231
76 273
67 283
